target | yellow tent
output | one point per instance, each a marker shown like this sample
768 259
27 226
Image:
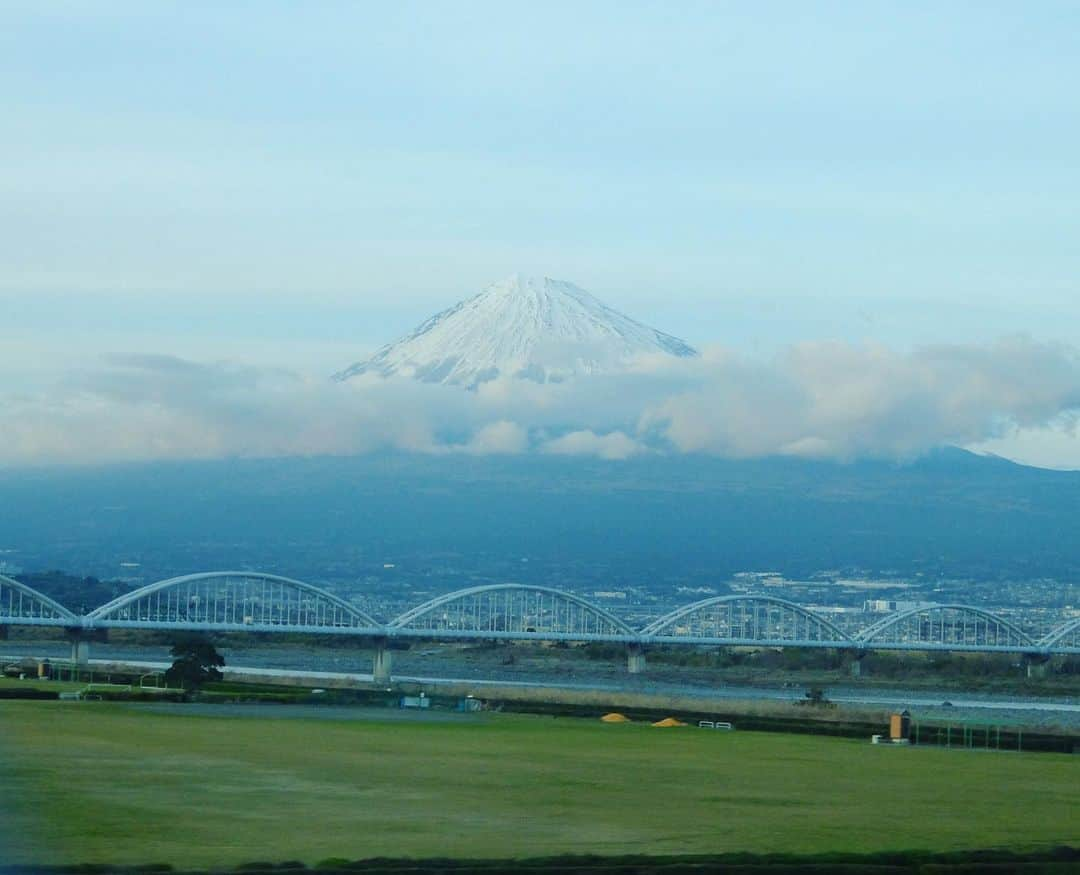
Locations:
615 717
669 721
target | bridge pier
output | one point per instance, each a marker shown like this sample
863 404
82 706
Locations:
856 667
381 665
80 647
635 658
1036 665
80 643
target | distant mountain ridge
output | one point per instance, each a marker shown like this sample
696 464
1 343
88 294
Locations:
581 522
534 328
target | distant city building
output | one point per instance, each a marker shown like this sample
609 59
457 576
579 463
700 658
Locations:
886 606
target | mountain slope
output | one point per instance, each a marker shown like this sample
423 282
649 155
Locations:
654 521
533 328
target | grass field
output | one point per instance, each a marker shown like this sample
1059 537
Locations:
40 684
103 782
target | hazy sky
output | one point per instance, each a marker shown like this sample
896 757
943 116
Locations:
295 184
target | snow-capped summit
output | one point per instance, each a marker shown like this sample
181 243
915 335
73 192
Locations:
535 328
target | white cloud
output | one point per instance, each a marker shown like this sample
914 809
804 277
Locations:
499 438
836 400
819 400
614 445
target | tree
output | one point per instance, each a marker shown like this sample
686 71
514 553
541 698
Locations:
815 698
195 661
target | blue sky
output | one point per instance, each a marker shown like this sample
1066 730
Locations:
302 182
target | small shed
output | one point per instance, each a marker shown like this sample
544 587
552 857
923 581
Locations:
900 726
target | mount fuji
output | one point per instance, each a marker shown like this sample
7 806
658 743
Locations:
531 328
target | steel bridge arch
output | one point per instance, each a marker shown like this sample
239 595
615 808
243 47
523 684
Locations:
873 633
326 609
24 603
656 628
568 627
1052 640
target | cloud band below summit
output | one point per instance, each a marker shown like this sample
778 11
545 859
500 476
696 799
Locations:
817 400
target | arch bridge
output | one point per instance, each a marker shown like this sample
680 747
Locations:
514 611
232 601
250 601
746 620
24 606
947 627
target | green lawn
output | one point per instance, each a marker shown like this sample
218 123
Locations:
100 782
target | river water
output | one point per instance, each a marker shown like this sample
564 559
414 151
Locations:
438 666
